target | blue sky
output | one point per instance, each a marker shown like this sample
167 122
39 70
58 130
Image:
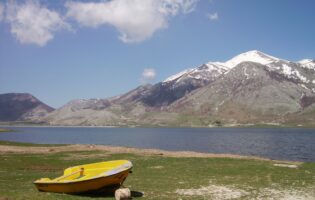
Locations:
65 50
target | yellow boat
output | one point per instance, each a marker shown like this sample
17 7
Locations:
87 178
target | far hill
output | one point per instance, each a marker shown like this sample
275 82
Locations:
22 107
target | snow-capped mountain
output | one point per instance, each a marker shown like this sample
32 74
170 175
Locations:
214 69
210 71
252 87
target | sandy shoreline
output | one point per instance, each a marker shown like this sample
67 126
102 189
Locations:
119 149
266 125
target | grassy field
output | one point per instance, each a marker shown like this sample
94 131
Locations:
160 177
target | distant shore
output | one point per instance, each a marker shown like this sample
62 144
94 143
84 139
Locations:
55 126
3 130
265 125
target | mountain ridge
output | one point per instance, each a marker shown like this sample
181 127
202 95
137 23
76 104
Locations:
284 90
250 88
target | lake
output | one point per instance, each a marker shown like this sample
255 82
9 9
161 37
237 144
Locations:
294 144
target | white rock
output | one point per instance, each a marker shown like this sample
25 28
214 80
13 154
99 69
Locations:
122 194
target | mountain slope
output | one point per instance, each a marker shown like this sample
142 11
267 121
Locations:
21 106
249 91
252 87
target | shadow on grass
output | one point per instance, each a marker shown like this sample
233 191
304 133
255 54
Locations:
108 192
134 194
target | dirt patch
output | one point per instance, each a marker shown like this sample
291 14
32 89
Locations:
85 156
286 194
116 149
214 192
157 167
285 165
224 192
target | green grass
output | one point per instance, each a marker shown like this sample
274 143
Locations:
158 177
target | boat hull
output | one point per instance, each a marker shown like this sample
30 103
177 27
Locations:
84 186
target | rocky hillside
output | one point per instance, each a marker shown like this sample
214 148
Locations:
251 88
22 107
250 93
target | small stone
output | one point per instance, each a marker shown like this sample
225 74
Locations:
122 194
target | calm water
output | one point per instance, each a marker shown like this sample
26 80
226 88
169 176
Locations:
284 143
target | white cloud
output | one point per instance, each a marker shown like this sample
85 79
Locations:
33 23
189 6
148 75
1 11
136 20
213 16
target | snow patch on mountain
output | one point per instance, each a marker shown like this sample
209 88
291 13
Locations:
216 66
287 70
307 63
303 86
178 75
250 56
245 72
206 71
203 72
292 73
